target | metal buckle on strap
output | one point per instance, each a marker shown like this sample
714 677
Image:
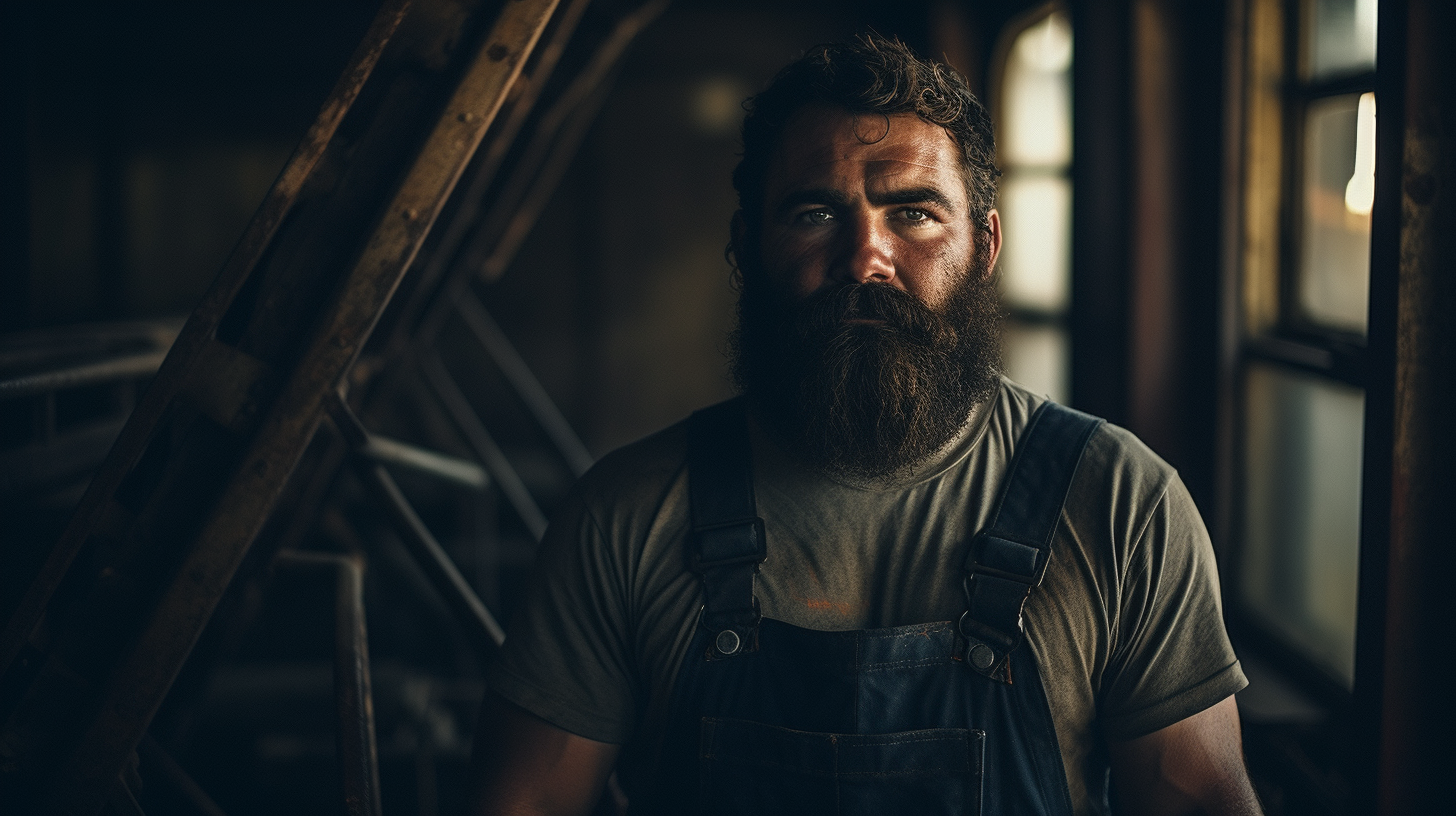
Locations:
1031 581
970 627
731 529
987 648
976 566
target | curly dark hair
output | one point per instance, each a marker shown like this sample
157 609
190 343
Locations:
870 74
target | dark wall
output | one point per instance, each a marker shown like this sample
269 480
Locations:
146 134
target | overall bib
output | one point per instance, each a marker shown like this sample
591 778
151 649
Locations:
934 718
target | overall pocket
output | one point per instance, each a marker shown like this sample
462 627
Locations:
751 768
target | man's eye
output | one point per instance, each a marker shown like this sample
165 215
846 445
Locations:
816 217
915 216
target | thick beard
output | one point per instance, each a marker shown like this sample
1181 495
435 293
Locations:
868 400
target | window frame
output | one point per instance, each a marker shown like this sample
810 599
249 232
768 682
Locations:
1299 94
1275 333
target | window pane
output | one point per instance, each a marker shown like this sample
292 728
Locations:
1302 511
1036 212
1036 356
1339 188
1036 97
1341 37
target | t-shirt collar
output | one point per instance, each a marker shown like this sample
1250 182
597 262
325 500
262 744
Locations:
770 452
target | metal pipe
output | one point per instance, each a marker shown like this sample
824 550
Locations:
543 185
353 697
431 557
480 440
447 468
532 393
120 368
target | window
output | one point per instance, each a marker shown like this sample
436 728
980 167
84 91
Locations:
1308 185
1034 118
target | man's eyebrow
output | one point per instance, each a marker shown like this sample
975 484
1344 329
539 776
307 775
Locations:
838 199
913 195
814 195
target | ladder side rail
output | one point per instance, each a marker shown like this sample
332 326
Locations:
483 170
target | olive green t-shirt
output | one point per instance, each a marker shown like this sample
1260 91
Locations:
1126 627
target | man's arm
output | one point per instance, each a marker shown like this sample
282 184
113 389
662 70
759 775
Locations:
1194 767
525 766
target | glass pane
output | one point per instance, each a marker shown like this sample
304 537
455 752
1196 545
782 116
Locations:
1341 37
1036 213
1339 189
1036 96
1302 511
1036 357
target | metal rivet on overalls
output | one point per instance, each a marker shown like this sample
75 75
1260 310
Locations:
982 656
727 642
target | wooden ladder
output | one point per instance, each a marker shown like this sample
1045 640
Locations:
108 622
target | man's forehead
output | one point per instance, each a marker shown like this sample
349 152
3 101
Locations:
823 140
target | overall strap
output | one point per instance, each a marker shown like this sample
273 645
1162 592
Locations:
727 542
1008 559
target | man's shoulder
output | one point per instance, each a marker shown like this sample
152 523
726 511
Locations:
1114 457
1118 460
639 473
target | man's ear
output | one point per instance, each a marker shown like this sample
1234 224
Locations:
993 232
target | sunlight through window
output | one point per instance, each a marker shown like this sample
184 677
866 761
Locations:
1035 113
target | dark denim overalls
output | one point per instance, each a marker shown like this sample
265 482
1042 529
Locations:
935 718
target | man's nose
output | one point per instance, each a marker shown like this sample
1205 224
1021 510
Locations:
867 256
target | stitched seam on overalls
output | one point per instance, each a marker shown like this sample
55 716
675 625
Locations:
906 664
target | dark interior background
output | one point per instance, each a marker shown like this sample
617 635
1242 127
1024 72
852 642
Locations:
144 137
137 139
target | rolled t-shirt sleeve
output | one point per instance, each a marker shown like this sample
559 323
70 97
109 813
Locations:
1171 658
567 656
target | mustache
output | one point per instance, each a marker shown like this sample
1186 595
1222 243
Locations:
860 308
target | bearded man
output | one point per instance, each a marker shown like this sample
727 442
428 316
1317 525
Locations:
884 579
